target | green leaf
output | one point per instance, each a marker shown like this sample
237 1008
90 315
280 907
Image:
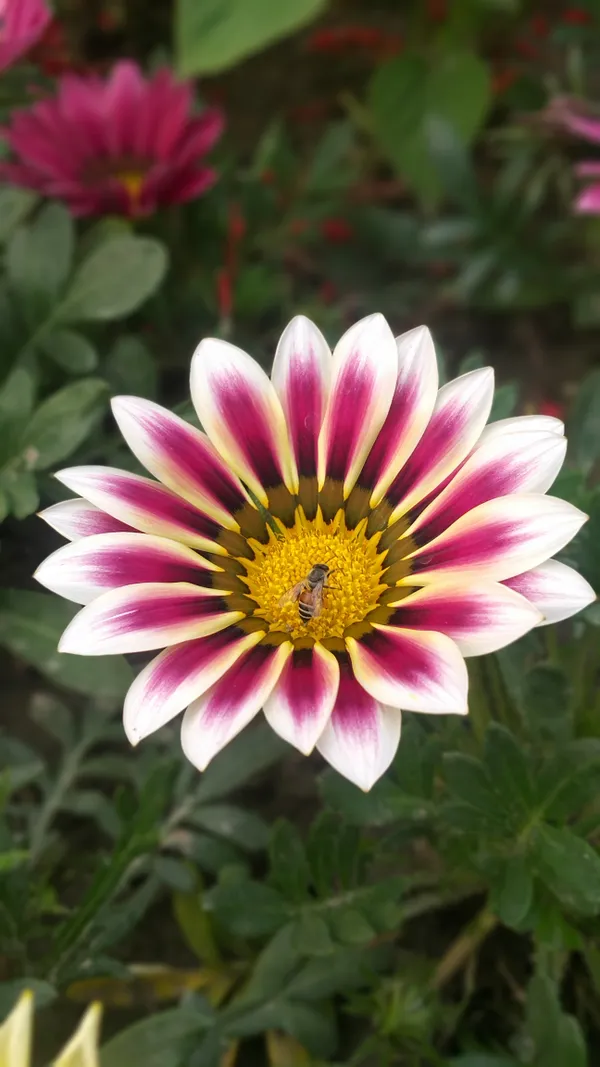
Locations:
406 93
514 892
211 36
20 490
131 368
556 1037
248 909
546 703
71 351
505 401
289 867
468 780
508 769
15 205
30 627
63 422
157 1040
311 934
584 423
244 828
114 280
569 867
250 752
17 397
40 254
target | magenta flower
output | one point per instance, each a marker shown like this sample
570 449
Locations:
22 23
436 533
570 114
126 145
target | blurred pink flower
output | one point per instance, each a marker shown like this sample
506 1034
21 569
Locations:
572 115
22 23
124 145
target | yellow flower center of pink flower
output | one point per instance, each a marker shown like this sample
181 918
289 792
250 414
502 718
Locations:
353 586
132 182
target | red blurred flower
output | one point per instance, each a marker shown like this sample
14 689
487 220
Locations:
52 54
526 49
124 145
437 10
337 230
503 79
224 293
539 25
355 37
552 407
327 291
577 16
22 23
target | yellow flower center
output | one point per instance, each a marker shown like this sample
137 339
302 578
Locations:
132 182
353 585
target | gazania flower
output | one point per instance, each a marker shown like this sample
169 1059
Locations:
22 23
433 537
16 1038
124 145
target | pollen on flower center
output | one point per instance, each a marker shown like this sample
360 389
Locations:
354 584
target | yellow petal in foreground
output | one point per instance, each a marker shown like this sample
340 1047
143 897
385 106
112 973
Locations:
82 1049
15 1034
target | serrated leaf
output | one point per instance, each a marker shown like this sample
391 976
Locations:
568 866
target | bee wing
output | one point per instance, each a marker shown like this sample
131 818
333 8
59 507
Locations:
318 600
292 594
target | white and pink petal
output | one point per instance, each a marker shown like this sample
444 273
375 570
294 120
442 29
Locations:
301 703
181 457
301 376
361 737
501 464
180 675
227 707
409 413
85 569
461 411
364 373
498 539
144 505
238 407
78 518
556 590
417 670
142 618
479 617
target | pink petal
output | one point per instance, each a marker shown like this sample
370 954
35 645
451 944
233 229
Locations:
417 670
78 518
240 411
141 618
479 618
361 736
301 376
303 699
216 717
588 201
461 411
364 372
181 457
410 411
556 590
86 568
499 539
178 676
510 462
143 504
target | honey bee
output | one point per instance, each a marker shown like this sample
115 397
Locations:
309 592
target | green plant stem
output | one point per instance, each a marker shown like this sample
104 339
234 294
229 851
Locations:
54 799
463 947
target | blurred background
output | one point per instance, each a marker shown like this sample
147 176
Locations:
436 161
